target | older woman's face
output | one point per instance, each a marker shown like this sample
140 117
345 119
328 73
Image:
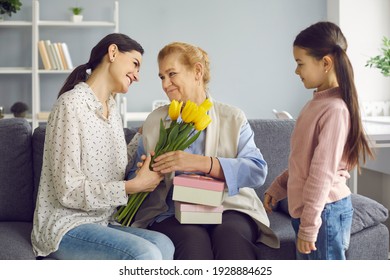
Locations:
177 80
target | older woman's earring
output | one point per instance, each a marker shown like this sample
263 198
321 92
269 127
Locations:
112 59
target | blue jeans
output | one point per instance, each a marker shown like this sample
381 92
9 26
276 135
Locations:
112 242
334 234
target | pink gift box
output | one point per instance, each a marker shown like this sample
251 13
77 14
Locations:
198 190
187 213
198 181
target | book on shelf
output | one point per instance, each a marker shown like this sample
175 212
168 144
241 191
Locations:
187 213
44 55
43 116
55 56
58 56
63 59
67 55
50 54
198 189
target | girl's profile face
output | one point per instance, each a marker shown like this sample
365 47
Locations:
311 71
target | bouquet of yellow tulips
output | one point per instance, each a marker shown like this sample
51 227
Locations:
181 133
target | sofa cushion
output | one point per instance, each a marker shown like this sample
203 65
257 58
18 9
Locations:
15 241
16 173
129 133
38 143
367 212
272 137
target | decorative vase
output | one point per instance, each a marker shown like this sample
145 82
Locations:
77 18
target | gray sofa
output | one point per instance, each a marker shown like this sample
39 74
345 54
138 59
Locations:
20 166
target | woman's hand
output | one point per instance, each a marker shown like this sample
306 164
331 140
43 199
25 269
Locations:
140 163
181 161
269 202
145 180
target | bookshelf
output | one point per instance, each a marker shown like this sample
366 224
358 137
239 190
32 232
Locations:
16 23
36 24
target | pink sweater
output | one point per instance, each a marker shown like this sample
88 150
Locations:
317 167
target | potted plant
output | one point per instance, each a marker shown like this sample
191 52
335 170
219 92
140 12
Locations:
9 6
382 61
77 16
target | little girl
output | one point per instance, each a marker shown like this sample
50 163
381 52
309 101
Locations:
326 143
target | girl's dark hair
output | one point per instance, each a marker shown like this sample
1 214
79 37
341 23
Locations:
79 74
326 38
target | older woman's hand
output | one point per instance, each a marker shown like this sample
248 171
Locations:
180 161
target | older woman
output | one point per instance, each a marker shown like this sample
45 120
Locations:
225 151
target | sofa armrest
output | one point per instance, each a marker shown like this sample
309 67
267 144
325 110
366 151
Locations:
16 172
367 213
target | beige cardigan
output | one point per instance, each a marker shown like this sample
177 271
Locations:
221 140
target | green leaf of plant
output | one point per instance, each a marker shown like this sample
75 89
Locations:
183 136
173 134
382 62
186 144
162 138
183 126
140 198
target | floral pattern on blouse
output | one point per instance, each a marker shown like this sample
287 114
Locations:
84 163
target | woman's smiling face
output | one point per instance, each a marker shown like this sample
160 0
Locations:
125 70
177 81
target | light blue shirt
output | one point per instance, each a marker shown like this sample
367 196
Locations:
248 169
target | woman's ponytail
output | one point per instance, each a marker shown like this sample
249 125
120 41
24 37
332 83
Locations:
79 74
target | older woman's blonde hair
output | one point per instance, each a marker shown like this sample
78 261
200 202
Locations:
189 56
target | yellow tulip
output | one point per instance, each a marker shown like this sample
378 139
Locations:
200 114
178 136
189 112
174 109
203 123
206 104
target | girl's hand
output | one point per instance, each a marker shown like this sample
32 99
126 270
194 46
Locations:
180 161
305 247
269 203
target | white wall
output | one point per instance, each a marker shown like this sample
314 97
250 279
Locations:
249 43
364 23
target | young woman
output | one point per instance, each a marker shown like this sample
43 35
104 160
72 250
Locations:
327 142
85 157
225 150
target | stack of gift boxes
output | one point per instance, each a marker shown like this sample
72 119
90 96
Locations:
198 199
